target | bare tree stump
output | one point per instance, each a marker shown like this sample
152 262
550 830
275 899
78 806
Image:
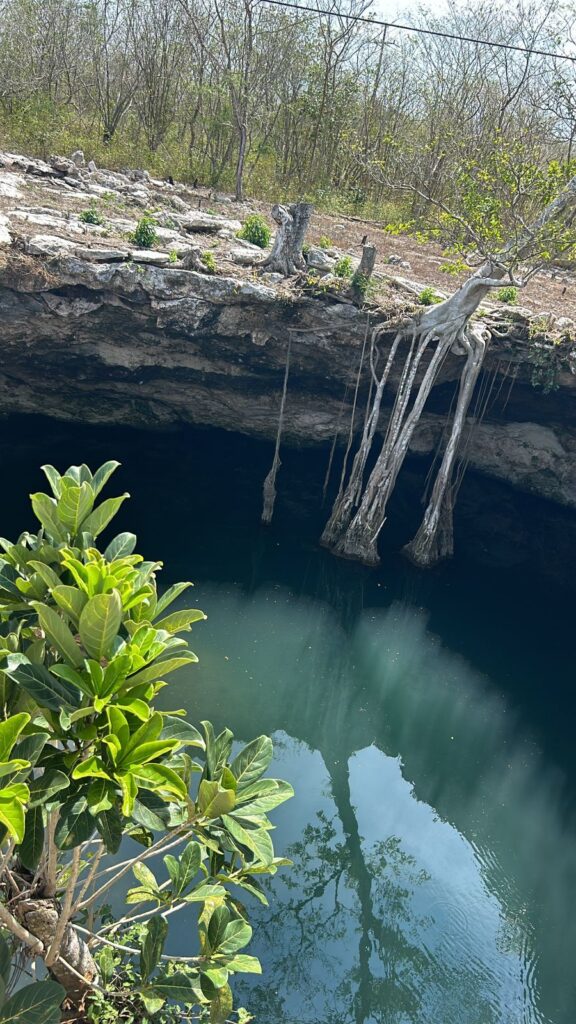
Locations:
286 257
362 275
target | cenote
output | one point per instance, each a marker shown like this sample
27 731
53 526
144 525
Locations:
423 718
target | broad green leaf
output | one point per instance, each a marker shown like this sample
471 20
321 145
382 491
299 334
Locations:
246 964
220 919
121 546
102 475
12 800
12 766
54 479
44 509
9 733
150 811
101 796
99 623
98 519
189 865
213 800
40 684
156 932
179 987
237 935
30 849
177 622
46 785
51 579
74 505
169 596
75 824
59 634
143 875
175 728
256 840
252 761
218 750
158 777
159 669
205 891
71 600
109 824
263 796
38 1003
92 767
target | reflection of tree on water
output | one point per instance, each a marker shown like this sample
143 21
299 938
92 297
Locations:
383 682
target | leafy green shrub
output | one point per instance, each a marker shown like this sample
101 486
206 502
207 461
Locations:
256 230
173 256
428 297
508 295
86 760
91 216
145 234
325 242
343 267
207 258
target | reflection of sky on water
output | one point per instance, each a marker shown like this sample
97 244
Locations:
434 872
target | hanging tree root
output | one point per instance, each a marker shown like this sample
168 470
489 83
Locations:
269 488
435 539
359 512
286 257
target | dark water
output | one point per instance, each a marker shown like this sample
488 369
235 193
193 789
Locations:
425 721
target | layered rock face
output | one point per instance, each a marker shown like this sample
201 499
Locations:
95 330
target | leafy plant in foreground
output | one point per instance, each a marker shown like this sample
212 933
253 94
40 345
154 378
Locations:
86 759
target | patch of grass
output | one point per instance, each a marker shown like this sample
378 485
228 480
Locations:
325 242
173 256
256 230
428 297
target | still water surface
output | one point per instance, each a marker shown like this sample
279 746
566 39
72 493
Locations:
426 724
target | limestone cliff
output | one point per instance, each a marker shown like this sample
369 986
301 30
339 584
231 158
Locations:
96 330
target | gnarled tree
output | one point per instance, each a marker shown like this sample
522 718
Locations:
359 511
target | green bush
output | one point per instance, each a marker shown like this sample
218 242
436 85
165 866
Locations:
343 267
256 230
173 256
508 295
428 297
325 242
145 234
207 258
87 760
91 216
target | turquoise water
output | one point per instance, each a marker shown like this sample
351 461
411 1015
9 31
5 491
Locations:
425 721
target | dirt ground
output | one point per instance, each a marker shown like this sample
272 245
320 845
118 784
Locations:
549 291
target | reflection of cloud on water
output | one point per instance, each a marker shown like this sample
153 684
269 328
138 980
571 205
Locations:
443 828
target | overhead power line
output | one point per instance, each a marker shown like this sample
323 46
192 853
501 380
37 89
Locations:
420 31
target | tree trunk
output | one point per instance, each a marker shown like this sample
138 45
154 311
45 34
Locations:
75 967
286 256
